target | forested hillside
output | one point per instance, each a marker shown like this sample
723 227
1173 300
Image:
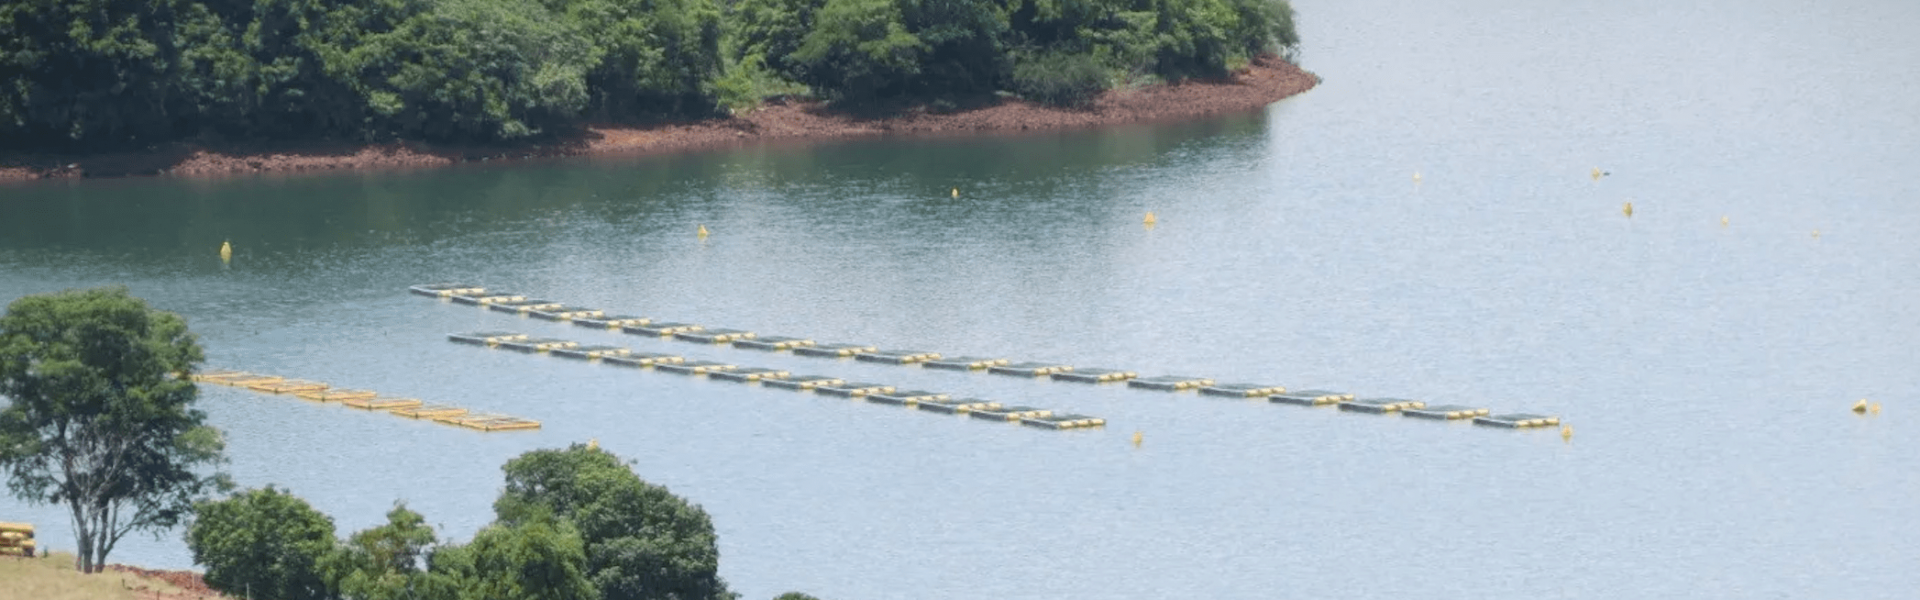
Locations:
129 73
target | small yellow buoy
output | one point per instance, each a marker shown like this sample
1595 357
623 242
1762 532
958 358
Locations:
1150 220
956 192
1136 438
1874 408
226 251
1723 221
703 231
1596 173
1416 177
1816 234
593 443
1628 209
1860 407
1566 432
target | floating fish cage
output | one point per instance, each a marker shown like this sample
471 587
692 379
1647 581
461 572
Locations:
697 367
643 359
524 306
565 313
853 390
1517 420
964 363
590 352
333 395
1030 369
833 350
1094 375
1380 406
660 329
896 357
250 381
484 298
429 411
957 406
802 382
1009 413
443 290
1063 422
1243 390
749 374
486 338
712 336
907 398
533 345
382 403
502 424
1445 412
1310 398
611 321
221 376
1170 383
772 343
287 386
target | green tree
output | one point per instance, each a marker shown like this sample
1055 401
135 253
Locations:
382 563
534 560
100 414
642 542
263 543
794 596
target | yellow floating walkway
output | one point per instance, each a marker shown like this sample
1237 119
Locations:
287 386
336 395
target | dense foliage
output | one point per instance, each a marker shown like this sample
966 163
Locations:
134 72
265 543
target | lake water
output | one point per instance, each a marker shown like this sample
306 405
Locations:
1707 368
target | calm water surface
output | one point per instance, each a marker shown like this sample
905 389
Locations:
1707 368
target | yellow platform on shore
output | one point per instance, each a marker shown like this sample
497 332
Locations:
336 395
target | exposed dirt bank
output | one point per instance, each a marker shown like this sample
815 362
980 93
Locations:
1268 80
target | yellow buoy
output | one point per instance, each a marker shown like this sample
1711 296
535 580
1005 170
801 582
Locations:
1150 220
1860 407
703 231
1416 177
1874 408
593 443
1137 437
956 192
1566 432
1723 221
1597 173
226 251
1628 209
1816 234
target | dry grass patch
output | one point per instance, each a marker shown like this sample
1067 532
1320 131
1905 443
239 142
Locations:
52 577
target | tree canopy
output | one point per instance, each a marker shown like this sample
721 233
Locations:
100 415
265 543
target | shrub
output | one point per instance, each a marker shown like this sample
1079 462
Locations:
1059 79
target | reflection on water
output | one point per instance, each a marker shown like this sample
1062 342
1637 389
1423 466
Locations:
1708 368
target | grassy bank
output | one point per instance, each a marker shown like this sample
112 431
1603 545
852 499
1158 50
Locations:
52 577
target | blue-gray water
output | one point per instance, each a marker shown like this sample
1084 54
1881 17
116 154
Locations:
1707 368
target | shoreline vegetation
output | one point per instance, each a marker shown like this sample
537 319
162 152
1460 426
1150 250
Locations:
207 87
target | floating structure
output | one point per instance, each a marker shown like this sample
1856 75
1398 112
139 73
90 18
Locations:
772 343
1094 375
1444 412
957 406
535 345
713 336
696 367
17 538
749 374
611 321
382 403
1063 421
1009 413
896 357
643 359
335 395
1243 390
221 376
565 313
802 382
1380 406
854 389
833 350
907 398
1310 398
660 329
1170 383
287 386
489 422
429 411
484 298
486 338
964 363
589 352
443 290
1517 420
519 307
253 380
1030 369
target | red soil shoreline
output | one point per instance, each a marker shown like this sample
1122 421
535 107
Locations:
1266 81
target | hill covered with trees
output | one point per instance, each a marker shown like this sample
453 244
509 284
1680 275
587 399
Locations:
93 74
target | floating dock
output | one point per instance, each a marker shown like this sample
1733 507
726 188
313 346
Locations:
696 367
643 359
1063 422
802 382
1310 398
896 357
957 406
611 321
853 390
1380 406
443 290
533 345
1517 420
382 403
1094 375
590 352
1009 413
1444 412
484 298
1243 390
1170 383
565 313
749 374
287 386
501 424
907 398
713 336
429 411
221 376
964 363
520 307
251 380
660 329
833 350
486 338
1030 369
772 343
334 395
